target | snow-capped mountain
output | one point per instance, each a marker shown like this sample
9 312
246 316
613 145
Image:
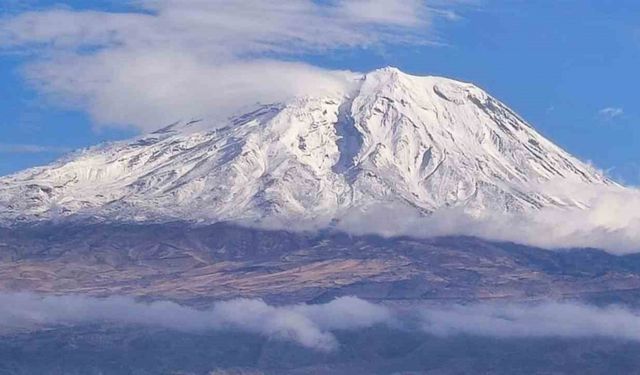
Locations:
425 142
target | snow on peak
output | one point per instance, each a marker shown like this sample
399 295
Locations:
426 142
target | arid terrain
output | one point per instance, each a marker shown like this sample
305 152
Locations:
199 264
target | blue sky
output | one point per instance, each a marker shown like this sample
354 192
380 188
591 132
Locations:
568 67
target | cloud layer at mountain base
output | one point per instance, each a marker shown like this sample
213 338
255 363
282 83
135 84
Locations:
609 220
312 325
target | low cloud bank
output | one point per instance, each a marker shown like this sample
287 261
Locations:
609 219
550 319
307 325
312 325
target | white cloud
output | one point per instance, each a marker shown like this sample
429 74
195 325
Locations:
177 59
308 325
609 220
610 113
394 12
159 87
312 325
548 319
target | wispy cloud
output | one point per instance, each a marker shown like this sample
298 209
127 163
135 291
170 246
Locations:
8 148
611 113
176 59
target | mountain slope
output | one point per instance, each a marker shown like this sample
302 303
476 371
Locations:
426 142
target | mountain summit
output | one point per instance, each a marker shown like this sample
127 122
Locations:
424 142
